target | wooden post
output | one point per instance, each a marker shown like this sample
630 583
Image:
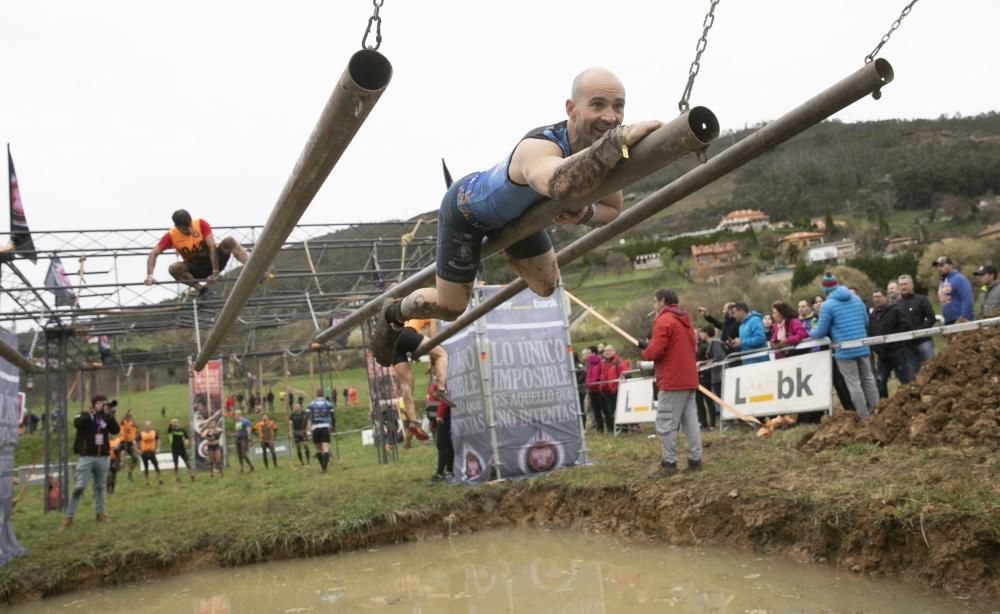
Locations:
284 373
118 385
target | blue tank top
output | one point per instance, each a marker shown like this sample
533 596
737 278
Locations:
320 410
491 200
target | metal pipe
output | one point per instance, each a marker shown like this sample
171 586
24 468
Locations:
846 92
689 132
360 86
15 358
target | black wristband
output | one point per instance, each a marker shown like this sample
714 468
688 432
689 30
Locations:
589 214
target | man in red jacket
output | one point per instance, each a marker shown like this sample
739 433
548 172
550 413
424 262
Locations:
612 368
672 350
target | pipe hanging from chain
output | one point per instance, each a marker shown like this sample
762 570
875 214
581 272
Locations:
870 78
690 132
360 86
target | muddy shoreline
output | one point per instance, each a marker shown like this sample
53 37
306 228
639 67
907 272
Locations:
957 554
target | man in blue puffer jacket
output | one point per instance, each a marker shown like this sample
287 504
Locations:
844 317
752 335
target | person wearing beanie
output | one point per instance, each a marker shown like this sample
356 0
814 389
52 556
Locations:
844 317
94 428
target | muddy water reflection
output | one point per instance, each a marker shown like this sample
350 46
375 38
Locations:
515 571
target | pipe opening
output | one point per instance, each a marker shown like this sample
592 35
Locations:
370 70
884 70
703 124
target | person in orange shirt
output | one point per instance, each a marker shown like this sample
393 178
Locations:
410 339
114 451
266 430
201 258
129 433
149 445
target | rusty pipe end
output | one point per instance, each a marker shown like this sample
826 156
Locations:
704 125
370 70
884 70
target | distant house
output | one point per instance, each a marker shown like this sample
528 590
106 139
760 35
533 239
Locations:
742 220
992 232
819 223
838 252
647 261
715 258
897 245
802 239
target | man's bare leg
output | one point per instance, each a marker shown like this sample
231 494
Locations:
446 301
541 273
180 272
439 364
232 247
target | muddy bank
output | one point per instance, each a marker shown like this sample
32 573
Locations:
957 553
954 401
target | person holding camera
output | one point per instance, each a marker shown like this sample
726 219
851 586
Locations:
94 428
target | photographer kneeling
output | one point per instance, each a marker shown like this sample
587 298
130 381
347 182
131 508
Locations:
93 430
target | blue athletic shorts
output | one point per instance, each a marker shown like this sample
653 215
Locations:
460 241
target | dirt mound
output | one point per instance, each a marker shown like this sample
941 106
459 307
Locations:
955 401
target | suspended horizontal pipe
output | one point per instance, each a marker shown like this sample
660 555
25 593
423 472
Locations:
848 91
279 276
367 74
15 358
691 131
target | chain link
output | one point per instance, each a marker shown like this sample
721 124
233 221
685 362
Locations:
892 28
377 22
699 49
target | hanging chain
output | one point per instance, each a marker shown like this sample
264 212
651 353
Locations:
377 22
892 28
696 64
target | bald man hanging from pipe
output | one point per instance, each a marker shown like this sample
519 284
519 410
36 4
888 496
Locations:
560 161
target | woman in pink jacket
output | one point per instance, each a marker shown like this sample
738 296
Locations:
787 330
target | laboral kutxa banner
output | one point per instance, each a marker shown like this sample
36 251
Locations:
791 385
531 388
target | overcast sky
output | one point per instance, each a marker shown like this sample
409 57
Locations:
120 112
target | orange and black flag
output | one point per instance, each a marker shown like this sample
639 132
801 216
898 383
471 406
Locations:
19 233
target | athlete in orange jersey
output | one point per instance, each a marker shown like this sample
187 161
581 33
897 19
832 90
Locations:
201 258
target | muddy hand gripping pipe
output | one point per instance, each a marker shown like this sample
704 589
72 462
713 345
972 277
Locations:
869 79
690 132
359 88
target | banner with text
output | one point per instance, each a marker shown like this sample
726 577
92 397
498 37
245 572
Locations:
10 378
532 386
207 421
790 385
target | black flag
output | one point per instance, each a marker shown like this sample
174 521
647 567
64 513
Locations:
19 233
447 174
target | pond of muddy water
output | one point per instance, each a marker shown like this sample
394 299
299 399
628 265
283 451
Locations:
522 570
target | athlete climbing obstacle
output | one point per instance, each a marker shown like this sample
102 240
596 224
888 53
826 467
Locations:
561 161
410 338
201 258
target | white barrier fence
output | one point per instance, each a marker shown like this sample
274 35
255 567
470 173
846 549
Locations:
789 385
